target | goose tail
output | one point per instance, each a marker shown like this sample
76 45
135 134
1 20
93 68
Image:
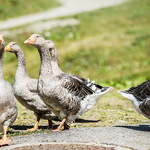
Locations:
128 95
125 94
94 98
89 101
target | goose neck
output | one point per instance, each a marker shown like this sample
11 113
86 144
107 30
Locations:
55 61
21 64
1 62
45 68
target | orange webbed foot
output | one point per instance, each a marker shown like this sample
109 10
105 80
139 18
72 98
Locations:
63 122
56 130
31 130
35 126
4 141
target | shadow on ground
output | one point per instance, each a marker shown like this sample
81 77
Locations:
25 127
86 121
145 128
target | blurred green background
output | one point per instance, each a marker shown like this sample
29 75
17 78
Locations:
16 8
110 45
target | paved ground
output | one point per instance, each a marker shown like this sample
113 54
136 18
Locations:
69 7
127 137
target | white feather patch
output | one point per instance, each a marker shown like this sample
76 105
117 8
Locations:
88 103
134 100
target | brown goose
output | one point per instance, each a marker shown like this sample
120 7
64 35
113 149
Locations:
8 107
140 97
26 88
68 97
57 71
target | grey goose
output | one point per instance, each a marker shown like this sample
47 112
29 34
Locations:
25 88
57 71
140 97
8 107
68 97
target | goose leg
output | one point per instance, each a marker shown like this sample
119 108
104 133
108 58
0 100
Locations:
35 126
4 140
50 124
66 126
60 126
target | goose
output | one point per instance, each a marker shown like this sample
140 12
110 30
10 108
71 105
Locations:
26 88
55 62
8 107
68 96
57 71
140 98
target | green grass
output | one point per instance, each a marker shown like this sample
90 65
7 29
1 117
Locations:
110 46
15 8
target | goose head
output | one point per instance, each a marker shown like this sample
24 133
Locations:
13 47
35 40
50 45
2 41
52 49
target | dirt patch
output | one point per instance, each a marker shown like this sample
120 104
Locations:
63 147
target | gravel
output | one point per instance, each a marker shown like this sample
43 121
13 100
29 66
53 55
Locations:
125 137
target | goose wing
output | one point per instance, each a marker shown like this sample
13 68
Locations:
78 77
142 92
75 87
145 107
83 80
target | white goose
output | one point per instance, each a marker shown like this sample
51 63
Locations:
68 96
8 107
140 97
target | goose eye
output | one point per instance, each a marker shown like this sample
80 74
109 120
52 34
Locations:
37 36
13 44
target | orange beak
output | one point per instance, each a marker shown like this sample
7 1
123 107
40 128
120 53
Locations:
7 48
1 38
29 41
